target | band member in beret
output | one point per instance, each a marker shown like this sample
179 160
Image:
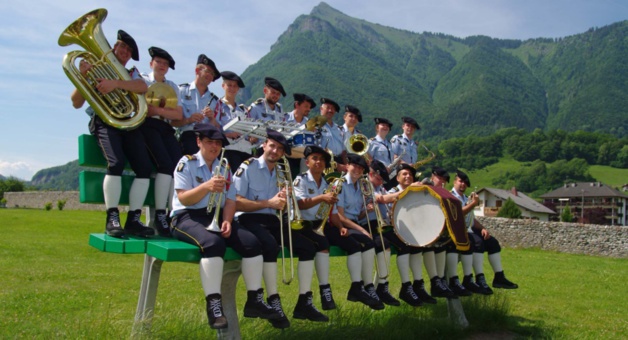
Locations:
198 103
352 117
302 106
481 241
163 147
119 145
418 255
227 109
379 147
403 145
268 108
195 181
331 135
258 201
352 237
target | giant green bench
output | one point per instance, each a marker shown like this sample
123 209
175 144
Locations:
158 250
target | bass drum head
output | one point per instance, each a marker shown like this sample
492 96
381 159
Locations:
418 218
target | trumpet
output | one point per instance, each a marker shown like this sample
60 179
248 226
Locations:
284 180
325 208
368 193
216 198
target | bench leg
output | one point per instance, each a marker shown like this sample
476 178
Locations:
456 313
230 274
148 295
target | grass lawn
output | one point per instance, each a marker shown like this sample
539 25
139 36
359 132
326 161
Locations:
54 285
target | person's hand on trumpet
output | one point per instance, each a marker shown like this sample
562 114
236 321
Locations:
216 184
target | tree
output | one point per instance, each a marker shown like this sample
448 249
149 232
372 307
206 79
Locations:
566 215
509 210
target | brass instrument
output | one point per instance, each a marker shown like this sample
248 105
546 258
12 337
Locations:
161 95
284 180
315 123
216 198
324 209
357 143
424 161
120 108
392 168
368 193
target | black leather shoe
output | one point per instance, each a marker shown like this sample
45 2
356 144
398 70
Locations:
357 293
468 284
419 289
500 281
306 310
282 322
256 307
480 280
133 225
370 290
457 288
327 299
113 227
385 296
161 223
215 315
440 289
408 295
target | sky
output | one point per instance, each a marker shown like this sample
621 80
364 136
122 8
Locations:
39 127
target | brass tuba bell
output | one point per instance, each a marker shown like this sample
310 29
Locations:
357 143
121 109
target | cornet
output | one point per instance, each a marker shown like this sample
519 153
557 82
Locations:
216 198
368 193
324 208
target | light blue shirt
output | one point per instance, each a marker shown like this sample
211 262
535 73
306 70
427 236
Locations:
305 187
255 182
331 138
260 110
225 112
191 101
402 142
350 199
346 134
380 149
468 218
189 174
289 118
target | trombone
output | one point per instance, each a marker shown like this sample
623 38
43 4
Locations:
284 180
216 198
369 192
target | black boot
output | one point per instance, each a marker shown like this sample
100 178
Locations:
256 307
113 227
357 293
215 316
282 322
480 280
471 286
370 290
500 281
327 299
161 223
440 289
457 288
134 226
419 289
384 295
408 295
305 309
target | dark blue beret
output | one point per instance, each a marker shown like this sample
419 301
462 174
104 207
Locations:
127 39
383 121
279 138
301 97
411 121
380 169
330 102
358 160
274 84
203 59
158 52
355 111
211 132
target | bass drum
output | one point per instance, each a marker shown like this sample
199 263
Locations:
299 141
427 216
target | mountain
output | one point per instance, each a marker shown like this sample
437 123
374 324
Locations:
63 177
452 86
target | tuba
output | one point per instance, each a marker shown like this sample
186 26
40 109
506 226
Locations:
120 108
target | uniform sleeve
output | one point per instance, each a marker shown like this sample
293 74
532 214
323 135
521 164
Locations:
255 112
183 176
300 191
394 147
231 193
241 180
342 200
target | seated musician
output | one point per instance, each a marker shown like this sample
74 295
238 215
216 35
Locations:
481 241
310 189
353 238
194 182
405 177
259 198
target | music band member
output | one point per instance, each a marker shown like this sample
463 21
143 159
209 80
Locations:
194 182
331 135
163 147
118 145
269 108
379 148
403 145
227 109
303 104
352 117
198 103
310 190
352 237
259 198
405 177
481 240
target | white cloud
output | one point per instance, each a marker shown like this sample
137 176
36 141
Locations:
19 169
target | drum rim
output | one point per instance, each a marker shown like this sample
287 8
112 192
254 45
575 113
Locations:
402 195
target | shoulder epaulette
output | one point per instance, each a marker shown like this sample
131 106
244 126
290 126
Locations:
258 101
190 157
184 85
248 161
395 189
242 107
278 104
372 138
303 174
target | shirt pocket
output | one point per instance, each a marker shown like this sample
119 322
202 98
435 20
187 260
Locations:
258 189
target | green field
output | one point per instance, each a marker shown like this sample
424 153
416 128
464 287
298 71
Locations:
56 286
